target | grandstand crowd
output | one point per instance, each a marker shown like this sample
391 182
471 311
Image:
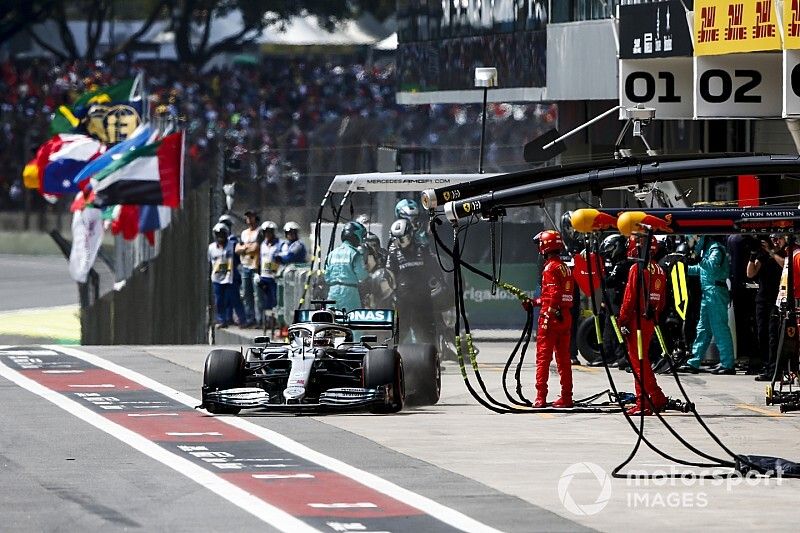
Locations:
271 116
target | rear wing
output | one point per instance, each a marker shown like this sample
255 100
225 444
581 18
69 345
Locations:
371 319
363 319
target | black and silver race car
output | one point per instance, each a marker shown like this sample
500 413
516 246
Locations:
325 367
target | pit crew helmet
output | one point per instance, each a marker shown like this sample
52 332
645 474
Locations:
549 241
407 209
633 246
354 233
614 248
373 241
291 226
402 231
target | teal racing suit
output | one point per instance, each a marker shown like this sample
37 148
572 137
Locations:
713 270
344 271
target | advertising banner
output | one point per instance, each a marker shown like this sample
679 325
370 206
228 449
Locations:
654 30
731 26
791 24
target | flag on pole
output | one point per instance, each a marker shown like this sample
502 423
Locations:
87 235
140 137
126 221
30 174
152 218
150 175
61 158
67 118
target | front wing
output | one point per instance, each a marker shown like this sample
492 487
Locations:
342 398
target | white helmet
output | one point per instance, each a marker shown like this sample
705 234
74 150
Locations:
402 230
291 226
227 220
220 228
269 225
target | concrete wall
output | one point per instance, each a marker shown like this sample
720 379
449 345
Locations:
581 61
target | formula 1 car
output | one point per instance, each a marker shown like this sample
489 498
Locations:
323 367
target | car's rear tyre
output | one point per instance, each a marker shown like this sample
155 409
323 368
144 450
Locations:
423 375
383 366
586 340
224 369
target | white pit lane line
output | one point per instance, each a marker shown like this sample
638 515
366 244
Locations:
243 499
257 507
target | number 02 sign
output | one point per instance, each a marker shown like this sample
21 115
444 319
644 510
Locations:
791 83
738 85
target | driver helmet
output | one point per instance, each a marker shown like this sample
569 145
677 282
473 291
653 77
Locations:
401 230
354 233
549 241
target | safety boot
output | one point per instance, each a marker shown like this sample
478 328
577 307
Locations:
564 401
541 399
636 410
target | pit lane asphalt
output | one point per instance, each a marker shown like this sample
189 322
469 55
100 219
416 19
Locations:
62 474
504 470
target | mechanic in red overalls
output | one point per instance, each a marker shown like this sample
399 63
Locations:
655 282
555 319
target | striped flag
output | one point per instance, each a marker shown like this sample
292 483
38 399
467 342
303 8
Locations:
59 159
150 175
139 138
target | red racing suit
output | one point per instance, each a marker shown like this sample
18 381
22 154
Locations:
555 326
656 281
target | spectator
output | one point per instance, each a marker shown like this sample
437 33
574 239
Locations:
248 250
221 258
292 250
268 268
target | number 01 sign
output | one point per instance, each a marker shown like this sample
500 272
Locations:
663 84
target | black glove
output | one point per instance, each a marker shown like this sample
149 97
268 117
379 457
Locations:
557 314
754 256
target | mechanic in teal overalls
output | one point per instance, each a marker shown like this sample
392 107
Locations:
346 268
713 270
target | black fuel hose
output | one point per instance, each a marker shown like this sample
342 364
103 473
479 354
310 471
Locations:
488 401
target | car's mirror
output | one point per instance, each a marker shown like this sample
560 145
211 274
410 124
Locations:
261 339
369 338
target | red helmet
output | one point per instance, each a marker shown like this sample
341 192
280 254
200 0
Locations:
548 241
633 246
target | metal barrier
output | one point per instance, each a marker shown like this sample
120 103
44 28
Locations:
291 283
